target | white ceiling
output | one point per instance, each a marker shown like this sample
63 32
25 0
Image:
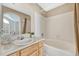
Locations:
49 6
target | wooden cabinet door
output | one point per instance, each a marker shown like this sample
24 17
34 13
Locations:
29 50
34 53
40 51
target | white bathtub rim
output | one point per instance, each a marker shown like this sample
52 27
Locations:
69 46
67 52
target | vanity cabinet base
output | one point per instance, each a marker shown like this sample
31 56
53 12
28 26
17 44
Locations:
33 50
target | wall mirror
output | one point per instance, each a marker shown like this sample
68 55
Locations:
15 22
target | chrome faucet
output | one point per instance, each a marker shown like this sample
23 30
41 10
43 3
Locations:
32 33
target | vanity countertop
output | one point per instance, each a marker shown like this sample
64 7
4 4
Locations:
13 48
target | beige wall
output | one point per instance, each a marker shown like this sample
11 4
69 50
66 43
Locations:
39 25
60 27
60 23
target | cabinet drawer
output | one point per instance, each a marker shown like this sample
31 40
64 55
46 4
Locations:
29 50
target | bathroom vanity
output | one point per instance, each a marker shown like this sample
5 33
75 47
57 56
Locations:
12 43
34 48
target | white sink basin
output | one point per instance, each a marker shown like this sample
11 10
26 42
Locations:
23 41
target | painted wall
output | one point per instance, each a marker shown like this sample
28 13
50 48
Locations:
60 27
39 25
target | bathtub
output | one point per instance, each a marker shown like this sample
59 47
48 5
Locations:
55 48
